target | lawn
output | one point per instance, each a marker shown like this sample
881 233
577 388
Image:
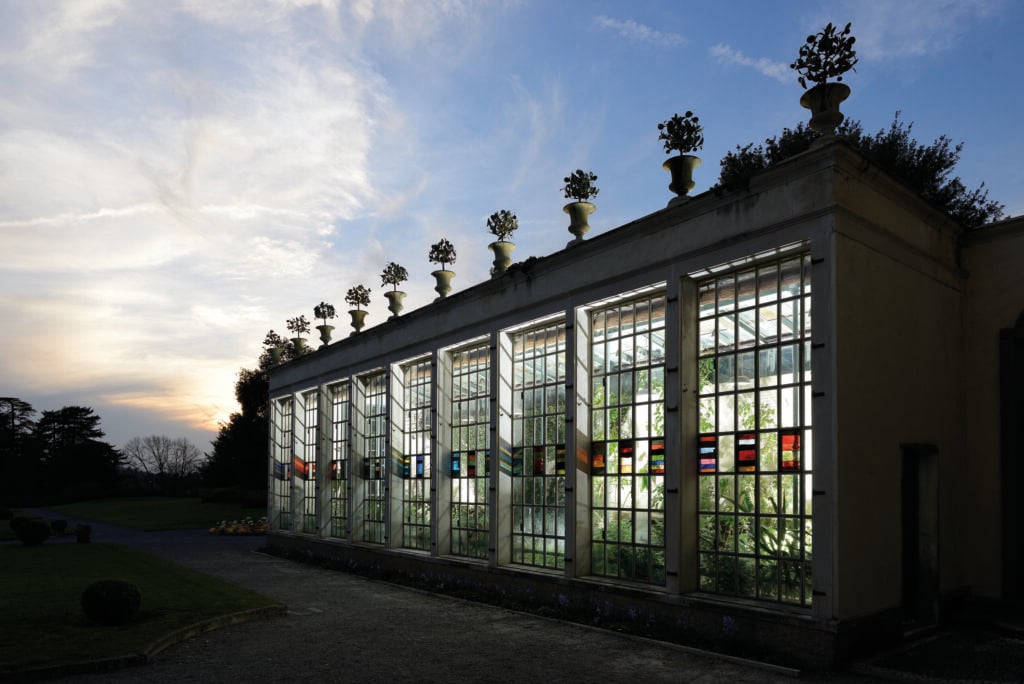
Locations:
42 620
157 513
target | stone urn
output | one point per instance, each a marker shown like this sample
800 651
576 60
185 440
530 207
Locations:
502 256
823 100
681 167
444 282
579 213
300 344
325 334
358 319
395 302
275 354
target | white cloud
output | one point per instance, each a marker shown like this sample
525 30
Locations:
639 33
57 38
908 28
727 55
166 205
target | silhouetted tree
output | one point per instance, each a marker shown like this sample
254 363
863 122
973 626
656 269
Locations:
239 457
925 169
20 463
170 464
77 462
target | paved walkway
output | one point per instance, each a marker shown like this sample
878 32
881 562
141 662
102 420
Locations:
345 628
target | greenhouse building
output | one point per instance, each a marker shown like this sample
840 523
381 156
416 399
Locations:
779 421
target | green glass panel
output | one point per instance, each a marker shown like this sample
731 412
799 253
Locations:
725 577
726 493
642 496
657 384
768 410
706 489
745 493
658 529
726 453
769 493
768 577
746 411
707 414
768 451
706 532
727 533
746 534
707 571
790 485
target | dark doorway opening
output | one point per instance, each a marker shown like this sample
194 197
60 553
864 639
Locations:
919 488
1011 401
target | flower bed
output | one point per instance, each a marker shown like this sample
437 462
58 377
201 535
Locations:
247 526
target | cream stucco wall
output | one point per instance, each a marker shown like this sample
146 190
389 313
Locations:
898 350
994 257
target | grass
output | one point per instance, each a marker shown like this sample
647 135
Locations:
42 620
153 514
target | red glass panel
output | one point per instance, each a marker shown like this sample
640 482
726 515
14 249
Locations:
538 460
746 452
789 442
598 452
627 449
708 453
658 457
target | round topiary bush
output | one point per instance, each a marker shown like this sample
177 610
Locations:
111 602
83 533
16 522
33 532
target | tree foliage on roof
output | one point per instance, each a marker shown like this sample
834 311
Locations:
925 169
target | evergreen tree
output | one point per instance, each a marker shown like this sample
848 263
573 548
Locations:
239 457
77 462
19 455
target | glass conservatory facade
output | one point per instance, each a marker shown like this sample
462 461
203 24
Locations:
665 421
751 352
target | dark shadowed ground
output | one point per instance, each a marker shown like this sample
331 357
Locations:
345 628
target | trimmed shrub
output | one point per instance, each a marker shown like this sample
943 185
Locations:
33 531
59 526
83 533
111 602
16 522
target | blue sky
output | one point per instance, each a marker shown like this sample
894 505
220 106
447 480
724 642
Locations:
176 178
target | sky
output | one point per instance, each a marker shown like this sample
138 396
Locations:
177 177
